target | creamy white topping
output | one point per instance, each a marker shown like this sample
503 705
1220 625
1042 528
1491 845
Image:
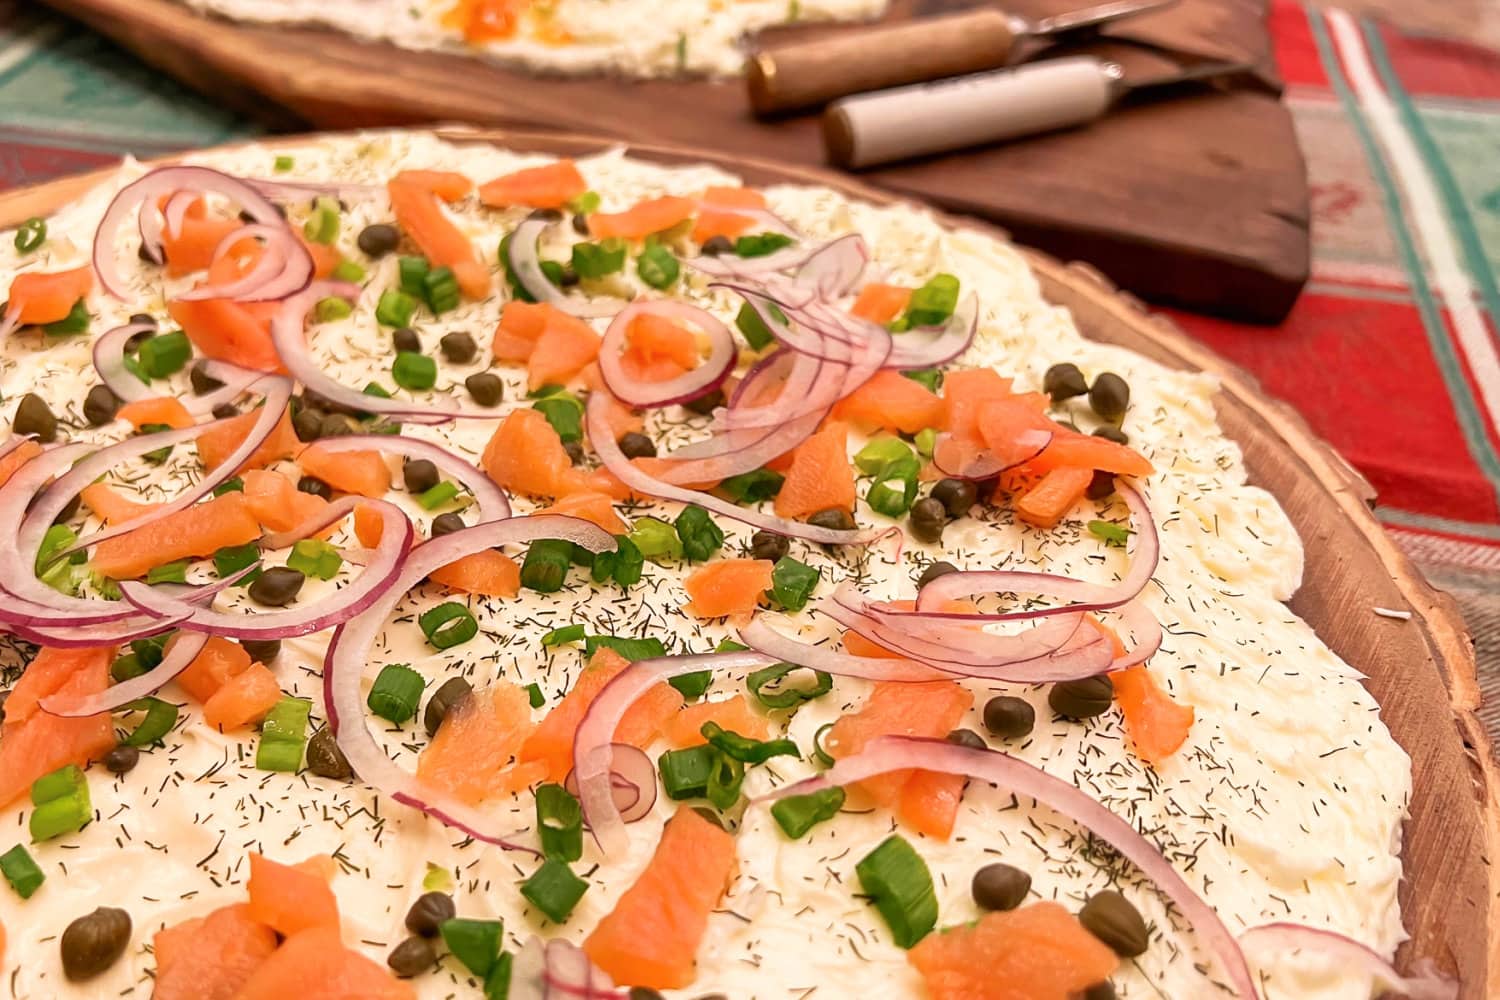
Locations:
1285 803
630 37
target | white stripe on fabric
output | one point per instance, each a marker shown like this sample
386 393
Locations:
16 46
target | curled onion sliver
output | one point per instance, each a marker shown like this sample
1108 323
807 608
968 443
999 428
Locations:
109 361
632 779
284 267
108 634
958 458
836 266
527 267
708 376
490 501
1349 953
179 657
928 347
761 637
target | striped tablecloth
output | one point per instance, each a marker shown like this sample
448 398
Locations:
1392 354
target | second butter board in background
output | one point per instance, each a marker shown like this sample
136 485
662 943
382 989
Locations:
1199 201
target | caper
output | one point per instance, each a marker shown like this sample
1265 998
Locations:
1109 396
928 518
406 339
637 445
956 495
1064 381
1110 432
428 913
100 405
836 518
715 245
447 524
324 758
486 388
453 691
1110 918
315 486
548 215
145 255
644 993
277 587
202 382
411 957
337 425
261 650
308 423
224 411
575 451
69 509
122 759
581 224
378 239
146 318
967 738
934 570
1101 486
458 347
1082 699
1102 990
135 340
568 278
420 475
706 403
1008 717
93 942
318 402
769 545
1000 886
34 416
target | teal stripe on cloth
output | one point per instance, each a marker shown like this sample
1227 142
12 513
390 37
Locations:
1471 422
1449 526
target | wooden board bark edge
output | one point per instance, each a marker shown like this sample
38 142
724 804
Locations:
1451 893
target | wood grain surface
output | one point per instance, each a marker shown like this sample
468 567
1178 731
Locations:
1199 201
1422 671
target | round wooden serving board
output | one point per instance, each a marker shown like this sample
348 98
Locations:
1421 670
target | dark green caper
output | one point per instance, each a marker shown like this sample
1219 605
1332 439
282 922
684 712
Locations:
325 759
447 524
224 411
338 425
548 215
581 224
100 405
261 650
1064 381
715 245
644 993
1109 396
706 403
486 388
378 239
277 587
967 738
575 451
451 693
1110 918
411 957
956 495
122 759
933 571
568 278
637 445
1110 432
405 339
1008 717
1082 699
458 347
146 318
135 340
420 475
202 382
769 545
315 486
34 416
428 913
836 518
69 509
308 423
1000 886
1102 990
1101 486
928 519
93 942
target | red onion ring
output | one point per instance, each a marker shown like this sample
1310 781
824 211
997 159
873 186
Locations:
308 190
237 381
835 268
168 180
632 781
558 970
490 501
928 347
349 653
733 266
178 659
527 267
898 753
109 634
759 636
1349 953
950 457
284 268
176 210
109 361
708 376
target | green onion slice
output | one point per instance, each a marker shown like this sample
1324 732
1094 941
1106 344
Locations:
897 881
797 814
566 634
161 716
21 871
447 625
31 234
559 823
475 943
554 889
743 748
785 695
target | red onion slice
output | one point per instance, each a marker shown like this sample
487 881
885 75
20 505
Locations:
898 753
961 460
1349 954
708 376
593 741
762 638
237 381
527 267
109 634
176 210
569 973
109 362
835 268
928 347
308 190
142 192
178 658
490 501
733 266
350 651
632 781
284 268
596 414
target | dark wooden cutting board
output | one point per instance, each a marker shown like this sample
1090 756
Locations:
1200 201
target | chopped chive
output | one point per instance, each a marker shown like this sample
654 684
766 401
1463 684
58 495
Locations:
437 879
377 390
880 450
724 780
125 667
568 633
932 378
897 881
414 371
395 308
623 565
56 538
172 572
62 803
757 334
160 455
761 244
497 983
656 539
685 773
161 716
585 204
630 648
895 487
21 871
437 496
554 889
283 735
693 685
315 557
31 234
164 354
545 568
597 260
535 696
819 754
231 559
332 309
349 270
700 536
559 823
282 164
323 225
475 943
793 582
564 411
743 748
754 486
657 267
925 441
440 290
396 692
785 695
447 625
76 321
411 275
1109 533
797 814
933 303
235 485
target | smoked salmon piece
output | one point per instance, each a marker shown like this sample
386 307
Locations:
715 215
290 898
111 506
217 444
474 754
520 327
727 587
551 185
685 727
242 699
1158 725
881 303
891 401
525 455
566 346
216 663
156 410
643 218
276 502
596 508
1035 952
34 743
48 297
363 472
239 333
414 197
821 475
210 958
315 965
1049 501
491 573
196 532
18 456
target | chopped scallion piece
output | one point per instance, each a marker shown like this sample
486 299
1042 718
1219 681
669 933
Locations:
630 648
437 496
895 487
656 266
597 260
880 450
559 636
700 536
797 814
743 748
933 303
724 780
160 455
62 803
564 411
793 582
932 378
585 204
559 823
322 226
377 390
535 696
623 565
235 485
693 685
161 716
411 274
164 354
925 441
545 568
656 539
897 881
349 270
332 309
497 983
437 879
440 290
785 695
21 871
414 371
395 308
396 692
475 943
31 234
685 773
315 557
283 736
231 559
447 625
76 321
283 163
754 486
819 754
754 329
1109 533
172 572
761 244
554 889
